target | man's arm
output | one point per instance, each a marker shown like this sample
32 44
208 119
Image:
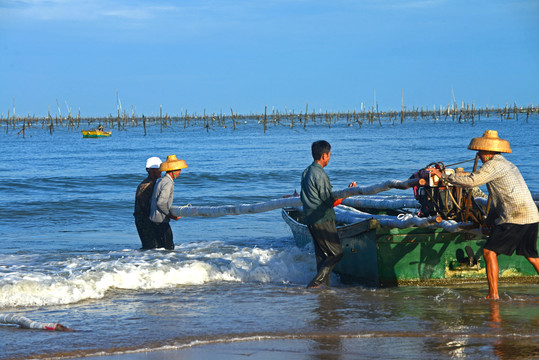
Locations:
480 177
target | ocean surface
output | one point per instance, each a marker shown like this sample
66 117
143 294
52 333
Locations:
70 253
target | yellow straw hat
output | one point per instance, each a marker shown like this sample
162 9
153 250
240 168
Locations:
490 142
172 164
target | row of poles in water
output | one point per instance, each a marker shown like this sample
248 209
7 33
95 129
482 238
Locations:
120 122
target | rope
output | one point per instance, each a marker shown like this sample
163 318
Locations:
462 162
183 207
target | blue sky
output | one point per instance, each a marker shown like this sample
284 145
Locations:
213 55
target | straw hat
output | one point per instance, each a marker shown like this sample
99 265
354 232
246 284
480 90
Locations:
172 164
490 142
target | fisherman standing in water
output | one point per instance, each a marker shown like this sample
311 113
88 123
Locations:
318 203
162 201
514 214
146 229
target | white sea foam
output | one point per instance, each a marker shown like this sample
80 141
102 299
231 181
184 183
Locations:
91 276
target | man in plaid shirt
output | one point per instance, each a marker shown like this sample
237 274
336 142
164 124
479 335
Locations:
513 210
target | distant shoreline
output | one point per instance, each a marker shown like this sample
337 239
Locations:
275 117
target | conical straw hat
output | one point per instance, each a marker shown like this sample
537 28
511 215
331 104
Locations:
490 142
172 163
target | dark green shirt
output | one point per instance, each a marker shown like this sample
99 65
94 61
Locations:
316 195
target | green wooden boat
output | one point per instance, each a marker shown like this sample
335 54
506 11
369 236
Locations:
381 256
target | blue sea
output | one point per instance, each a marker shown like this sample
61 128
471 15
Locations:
70 253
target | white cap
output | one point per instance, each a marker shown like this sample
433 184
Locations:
153 163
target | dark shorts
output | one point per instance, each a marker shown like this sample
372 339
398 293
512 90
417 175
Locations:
506 238
164 236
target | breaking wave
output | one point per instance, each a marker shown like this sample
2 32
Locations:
91 276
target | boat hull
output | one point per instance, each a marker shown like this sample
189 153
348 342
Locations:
380 256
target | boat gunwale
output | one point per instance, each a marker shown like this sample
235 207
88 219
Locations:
345 231
351 230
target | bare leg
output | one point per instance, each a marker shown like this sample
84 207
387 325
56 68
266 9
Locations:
491 259
535 263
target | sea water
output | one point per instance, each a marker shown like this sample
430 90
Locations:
70 253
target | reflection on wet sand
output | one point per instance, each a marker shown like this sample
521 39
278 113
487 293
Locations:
509 346
327 320
495 318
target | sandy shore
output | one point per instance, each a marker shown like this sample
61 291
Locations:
289 349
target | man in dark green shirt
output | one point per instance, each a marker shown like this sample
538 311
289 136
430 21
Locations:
319 216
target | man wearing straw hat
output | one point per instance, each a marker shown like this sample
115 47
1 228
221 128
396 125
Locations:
514 214
143 198
162 201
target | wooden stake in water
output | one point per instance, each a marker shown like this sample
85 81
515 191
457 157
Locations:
144 123
265 118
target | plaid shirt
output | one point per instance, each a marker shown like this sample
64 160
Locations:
510 195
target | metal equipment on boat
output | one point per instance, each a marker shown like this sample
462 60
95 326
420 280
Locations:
448 201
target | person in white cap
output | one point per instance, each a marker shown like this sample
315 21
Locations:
513 217
146 229
163 194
